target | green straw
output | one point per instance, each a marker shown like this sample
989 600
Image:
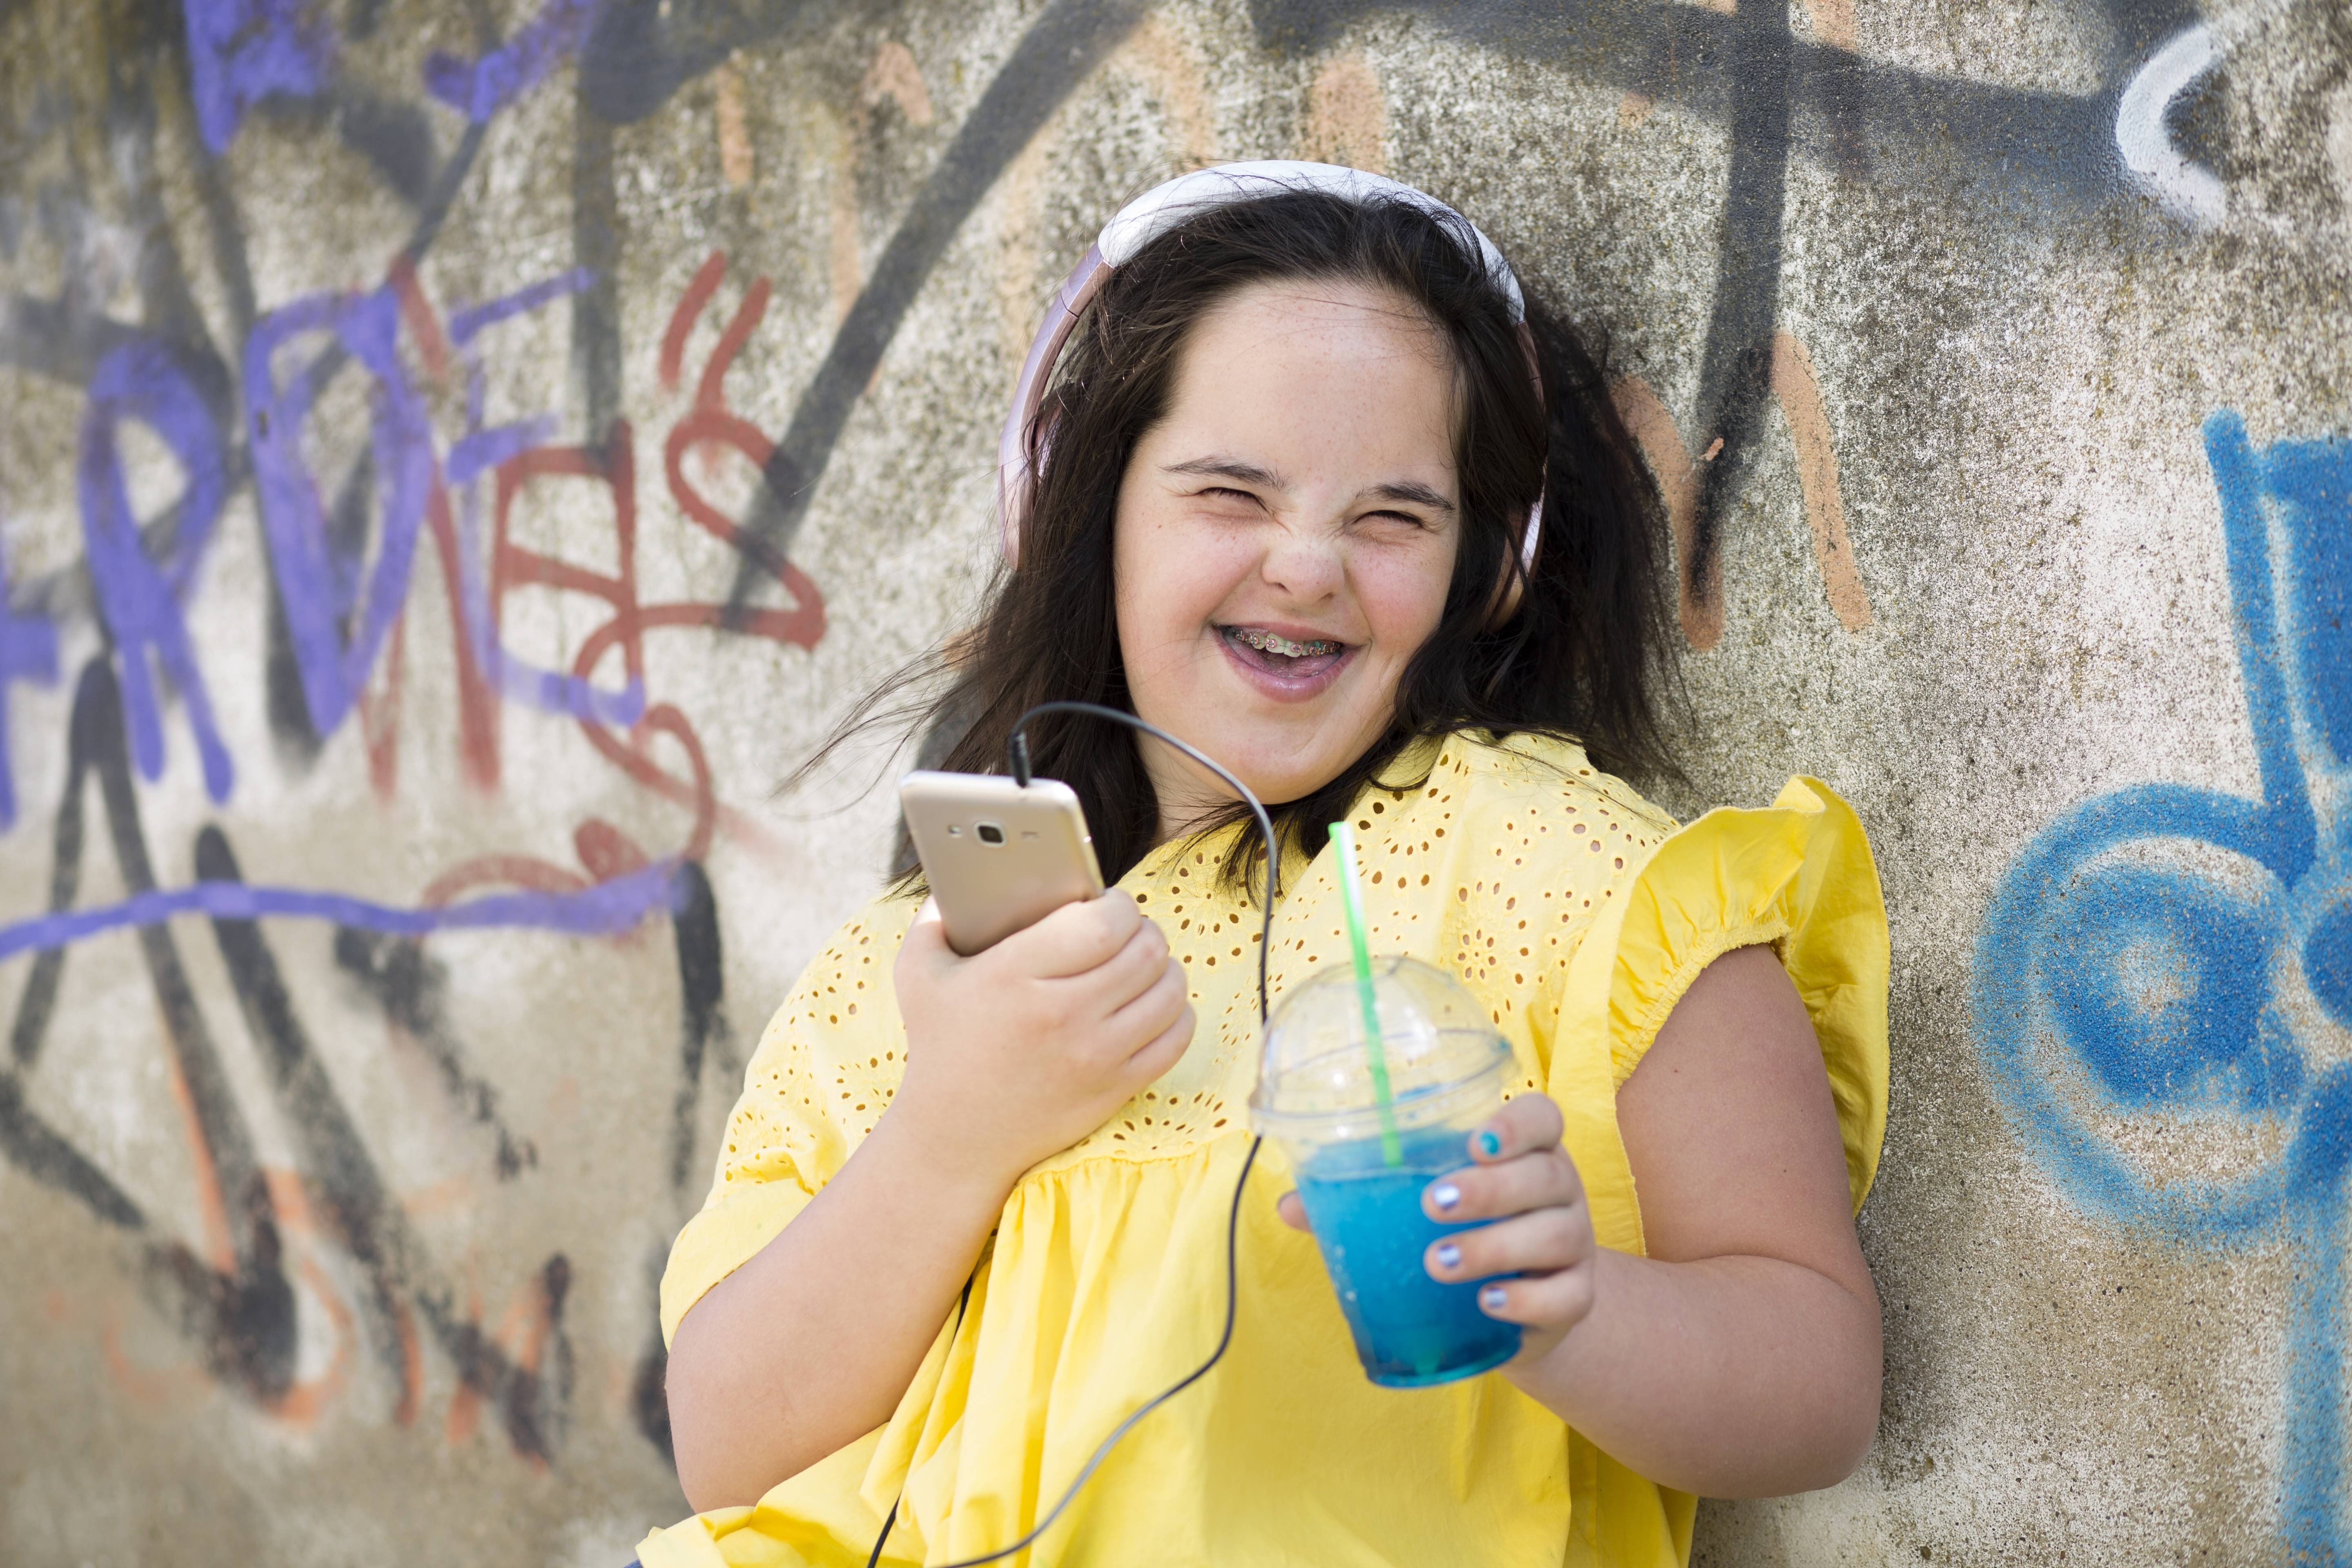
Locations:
1351 895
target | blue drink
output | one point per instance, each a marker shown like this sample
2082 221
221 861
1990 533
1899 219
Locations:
1367 1134
1411 1330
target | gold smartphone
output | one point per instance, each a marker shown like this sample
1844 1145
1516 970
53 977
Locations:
998 856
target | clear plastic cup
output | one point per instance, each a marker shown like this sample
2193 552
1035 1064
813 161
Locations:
1360 1170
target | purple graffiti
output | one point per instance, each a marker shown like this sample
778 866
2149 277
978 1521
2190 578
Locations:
137 598
479 88
603 909
321 585
242 51
465 324
476 456
29 651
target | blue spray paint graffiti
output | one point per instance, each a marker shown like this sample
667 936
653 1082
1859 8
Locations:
139 597
29 651
242 51
481 88
601 909
2172 950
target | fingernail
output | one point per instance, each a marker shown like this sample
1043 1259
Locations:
1490 1143
1493 1298
1448 1255
1446 1195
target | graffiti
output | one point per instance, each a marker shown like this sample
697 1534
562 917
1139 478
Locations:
2166 951
2156 166
360 426
341 552
243 52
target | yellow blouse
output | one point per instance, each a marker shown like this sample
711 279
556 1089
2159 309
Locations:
1574 911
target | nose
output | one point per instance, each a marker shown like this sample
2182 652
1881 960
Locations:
1305 561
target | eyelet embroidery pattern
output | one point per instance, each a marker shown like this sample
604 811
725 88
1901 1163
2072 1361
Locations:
1494 866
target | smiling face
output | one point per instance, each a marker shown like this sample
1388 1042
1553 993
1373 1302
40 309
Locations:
1285 537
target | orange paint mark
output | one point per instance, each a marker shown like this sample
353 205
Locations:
1832 21
56 1307
1155 53
438 1198
301 1405
895 76
411 1366
1348 115
1800 393
150 1388
210 1206
845 270
1699 606
291 1199
734 138
1633 109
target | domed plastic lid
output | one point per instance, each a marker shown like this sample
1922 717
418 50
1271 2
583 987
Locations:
1438 1043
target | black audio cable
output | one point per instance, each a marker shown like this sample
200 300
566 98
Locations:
1018 757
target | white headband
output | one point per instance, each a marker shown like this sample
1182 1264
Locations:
1168 206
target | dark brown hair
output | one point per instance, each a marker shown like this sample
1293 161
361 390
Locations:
1585 656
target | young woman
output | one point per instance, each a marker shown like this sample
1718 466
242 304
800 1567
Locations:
1313 488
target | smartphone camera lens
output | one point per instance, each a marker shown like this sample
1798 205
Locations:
990 833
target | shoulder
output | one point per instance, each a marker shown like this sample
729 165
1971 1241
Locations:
847 973
1544 794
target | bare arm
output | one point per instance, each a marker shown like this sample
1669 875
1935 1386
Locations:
1741 1358
812 1342
1012 1055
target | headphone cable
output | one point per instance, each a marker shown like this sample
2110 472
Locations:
1017 756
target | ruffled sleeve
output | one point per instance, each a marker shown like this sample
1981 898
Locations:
824 1069
1797 875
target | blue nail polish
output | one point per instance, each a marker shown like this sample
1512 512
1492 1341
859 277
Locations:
1490 1143
1492 1298
1446 1195
1448 1255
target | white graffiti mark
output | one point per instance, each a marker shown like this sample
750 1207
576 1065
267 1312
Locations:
2158 168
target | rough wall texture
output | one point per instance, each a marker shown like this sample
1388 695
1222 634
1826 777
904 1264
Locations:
455 457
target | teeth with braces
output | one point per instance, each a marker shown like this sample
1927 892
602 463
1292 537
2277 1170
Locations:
1268 642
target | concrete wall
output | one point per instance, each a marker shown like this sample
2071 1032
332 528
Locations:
455 458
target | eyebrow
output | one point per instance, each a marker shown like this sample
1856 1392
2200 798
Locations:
1409 491
1227 468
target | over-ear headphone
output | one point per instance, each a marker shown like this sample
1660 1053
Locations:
1165 208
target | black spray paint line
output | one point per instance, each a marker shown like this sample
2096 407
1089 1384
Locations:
702 985
347 1193
26 1140
411 988
1060 49
1734 367
1977 141
596 248
241 1320
705 1043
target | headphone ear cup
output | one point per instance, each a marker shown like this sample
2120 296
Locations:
1510 586
1016 469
